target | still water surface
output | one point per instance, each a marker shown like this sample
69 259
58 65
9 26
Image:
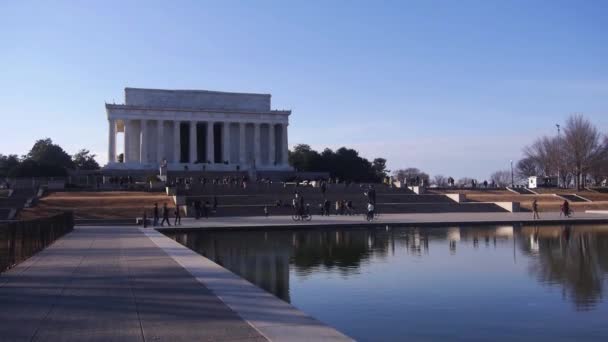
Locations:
469 284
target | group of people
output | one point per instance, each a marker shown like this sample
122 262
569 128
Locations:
203 209
121 181
343 207
189 182
160 216
300 207
165 215
564 209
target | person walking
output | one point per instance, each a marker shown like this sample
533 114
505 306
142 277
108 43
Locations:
178 216
214 204
206 209
565 209
165 216
371 194
535 209
300 205
266 211
155 222
349 207
197 209
370 211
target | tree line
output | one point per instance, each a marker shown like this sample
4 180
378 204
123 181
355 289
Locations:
46 159
343 164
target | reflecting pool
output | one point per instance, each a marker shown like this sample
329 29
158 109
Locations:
458 283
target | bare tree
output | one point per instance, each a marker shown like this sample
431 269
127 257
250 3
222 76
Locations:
466 181
527 167
583 146
598 172
409 175
440 180
501 178
545 153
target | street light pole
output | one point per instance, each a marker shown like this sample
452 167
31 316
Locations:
559 157
512 178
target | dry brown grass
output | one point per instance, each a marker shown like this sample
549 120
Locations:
546 202
97 205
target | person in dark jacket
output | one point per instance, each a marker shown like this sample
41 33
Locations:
165 215
206 209
155 222
178 216
565 209
197 209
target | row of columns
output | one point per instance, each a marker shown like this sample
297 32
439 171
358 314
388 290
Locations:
142 152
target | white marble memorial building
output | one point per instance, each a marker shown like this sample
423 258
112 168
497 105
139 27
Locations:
210 130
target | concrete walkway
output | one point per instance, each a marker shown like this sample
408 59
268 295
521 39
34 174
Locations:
117 284
434 219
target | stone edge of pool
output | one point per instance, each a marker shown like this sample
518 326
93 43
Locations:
275 319
321 225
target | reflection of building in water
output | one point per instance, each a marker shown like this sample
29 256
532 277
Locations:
261 260
453 236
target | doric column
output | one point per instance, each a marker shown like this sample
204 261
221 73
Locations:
284 146
126 157
143 141
111 141
176 142
272 154
242 156
257 144
193 151
160 141
210 140
226 138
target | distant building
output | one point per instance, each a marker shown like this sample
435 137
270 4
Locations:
542 182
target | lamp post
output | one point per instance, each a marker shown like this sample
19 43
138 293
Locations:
559 157
512 178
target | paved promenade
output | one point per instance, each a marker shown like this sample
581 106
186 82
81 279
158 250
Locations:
393 219
117 284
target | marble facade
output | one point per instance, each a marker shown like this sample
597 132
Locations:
203 130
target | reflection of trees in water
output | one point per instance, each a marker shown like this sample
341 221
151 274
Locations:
576 260
344 250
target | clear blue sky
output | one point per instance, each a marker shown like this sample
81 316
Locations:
451 87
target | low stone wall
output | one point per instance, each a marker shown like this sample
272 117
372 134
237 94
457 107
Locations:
418 190
458 198
512 207
20 240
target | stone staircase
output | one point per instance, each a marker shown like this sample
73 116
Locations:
572 198
235 201
521 191
9 206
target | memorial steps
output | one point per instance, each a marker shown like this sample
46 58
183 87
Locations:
236 201
359 209
233 200
13 204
